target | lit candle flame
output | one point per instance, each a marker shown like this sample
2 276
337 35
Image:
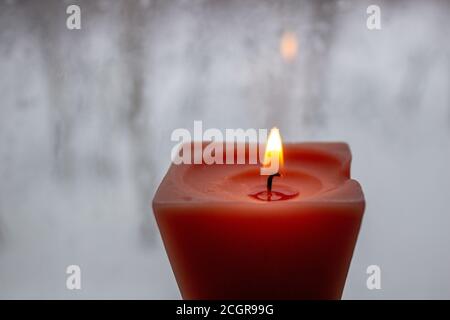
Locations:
273 156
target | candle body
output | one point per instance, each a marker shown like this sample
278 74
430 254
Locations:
224 244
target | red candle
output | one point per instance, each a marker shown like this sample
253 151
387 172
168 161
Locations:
225 240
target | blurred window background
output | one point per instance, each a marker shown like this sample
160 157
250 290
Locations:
86 117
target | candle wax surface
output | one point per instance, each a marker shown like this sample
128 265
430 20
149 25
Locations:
223 242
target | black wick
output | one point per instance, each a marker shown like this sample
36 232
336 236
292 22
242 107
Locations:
269 181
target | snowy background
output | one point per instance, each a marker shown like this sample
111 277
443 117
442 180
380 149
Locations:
86 118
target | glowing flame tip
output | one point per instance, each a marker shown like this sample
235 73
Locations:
274 147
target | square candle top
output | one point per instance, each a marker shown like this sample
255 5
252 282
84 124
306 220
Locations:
317 173
225 243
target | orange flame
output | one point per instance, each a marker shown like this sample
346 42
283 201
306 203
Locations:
274 150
